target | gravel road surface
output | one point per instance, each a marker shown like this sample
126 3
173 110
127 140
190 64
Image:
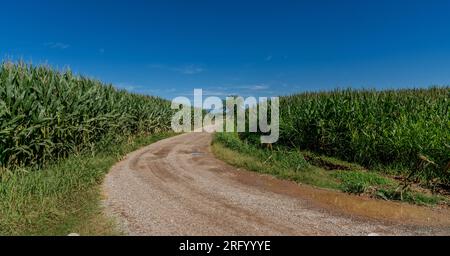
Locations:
177 187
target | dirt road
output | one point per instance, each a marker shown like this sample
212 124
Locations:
177 187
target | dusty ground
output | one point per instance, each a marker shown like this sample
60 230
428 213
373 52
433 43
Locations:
177 187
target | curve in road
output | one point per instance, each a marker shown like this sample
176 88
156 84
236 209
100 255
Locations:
177 187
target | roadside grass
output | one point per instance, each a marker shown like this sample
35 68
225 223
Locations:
330 163
64 197
361 182
312 169
282 164
307 175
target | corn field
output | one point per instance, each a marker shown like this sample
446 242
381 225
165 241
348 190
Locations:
47 115
409 128
405 129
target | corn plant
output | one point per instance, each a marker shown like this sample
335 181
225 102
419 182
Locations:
392 127
47 115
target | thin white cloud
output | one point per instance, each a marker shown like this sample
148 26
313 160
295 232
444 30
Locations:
259 87
256 87
128 86
269 58
185 70
243 90
57 45
190 70
229 90
213 92
101 50
207 92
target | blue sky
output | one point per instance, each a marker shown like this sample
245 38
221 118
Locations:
260 48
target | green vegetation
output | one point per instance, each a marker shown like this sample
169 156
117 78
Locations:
314 169
279 163
360 182
47 115
65 196
59 135
406 130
